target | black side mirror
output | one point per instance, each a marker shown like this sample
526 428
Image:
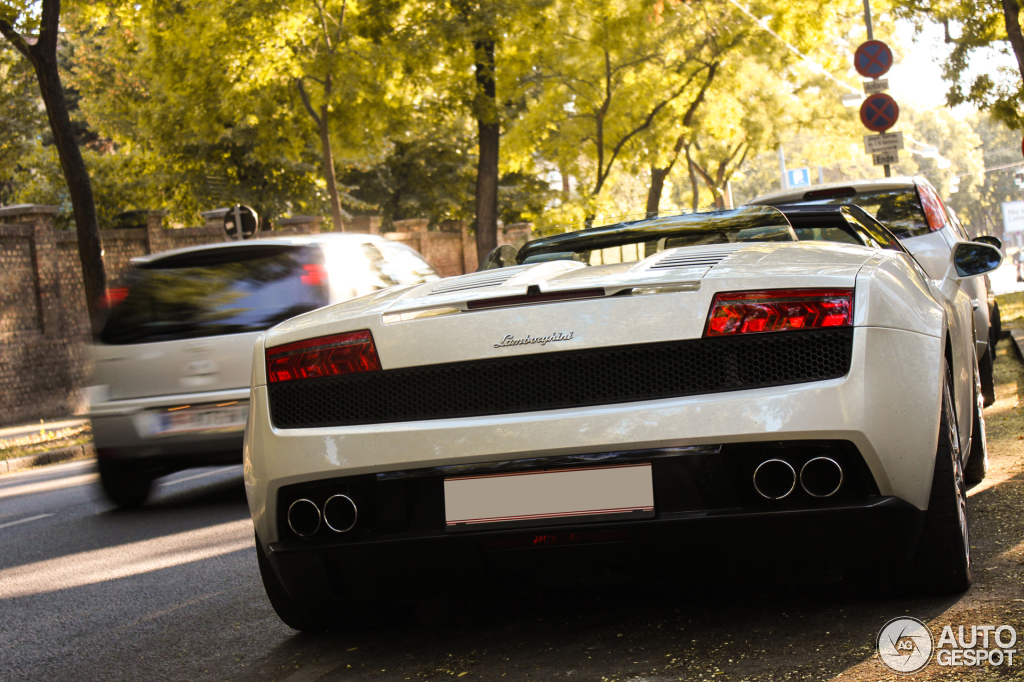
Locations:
501 257
990 240
972 259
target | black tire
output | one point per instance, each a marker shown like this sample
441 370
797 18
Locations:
977 462
995 325
124 486
294 614
942 561
985 369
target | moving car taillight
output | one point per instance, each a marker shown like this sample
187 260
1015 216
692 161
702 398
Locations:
113 297
326 356
747 312
314 275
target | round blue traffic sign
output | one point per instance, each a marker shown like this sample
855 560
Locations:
879 112
872 59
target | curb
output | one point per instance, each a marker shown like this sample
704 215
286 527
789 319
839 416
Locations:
50 457
1018 341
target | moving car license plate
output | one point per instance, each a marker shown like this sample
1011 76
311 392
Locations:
224 418
538 498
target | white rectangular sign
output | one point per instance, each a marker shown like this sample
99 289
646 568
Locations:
1013 216
883 142
538 497
886 158
876 86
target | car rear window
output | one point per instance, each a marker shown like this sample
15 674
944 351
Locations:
898 209
392 264
217 291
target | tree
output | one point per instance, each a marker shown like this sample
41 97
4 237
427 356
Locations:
228 124
20 118
456 50
972 26
607 73
17 23
324 52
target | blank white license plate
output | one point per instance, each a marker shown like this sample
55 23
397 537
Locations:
196 419
538 498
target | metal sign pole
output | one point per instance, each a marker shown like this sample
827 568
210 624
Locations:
238 221
871 36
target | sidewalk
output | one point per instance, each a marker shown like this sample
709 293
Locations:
12 432
35 436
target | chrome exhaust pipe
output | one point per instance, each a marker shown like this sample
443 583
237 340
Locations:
304 518
821 477
340 513
774 479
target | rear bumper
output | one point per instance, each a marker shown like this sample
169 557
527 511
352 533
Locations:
117 438
737 546
887 407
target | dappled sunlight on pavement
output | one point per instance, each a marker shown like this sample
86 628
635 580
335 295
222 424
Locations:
123 561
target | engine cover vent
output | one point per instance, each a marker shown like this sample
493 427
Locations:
475 281
687 258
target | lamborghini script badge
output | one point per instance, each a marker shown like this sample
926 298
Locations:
511 340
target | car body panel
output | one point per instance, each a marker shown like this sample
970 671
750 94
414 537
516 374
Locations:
932 250
892 432
899 325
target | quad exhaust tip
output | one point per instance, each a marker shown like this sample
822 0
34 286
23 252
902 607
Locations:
304 518
340 513
774 479
821 477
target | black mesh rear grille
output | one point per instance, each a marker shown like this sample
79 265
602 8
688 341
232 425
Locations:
549 381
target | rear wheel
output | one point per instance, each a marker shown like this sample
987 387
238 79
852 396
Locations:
123 485
294 614
942 562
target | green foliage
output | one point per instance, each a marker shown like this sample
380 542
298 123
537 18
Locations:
22 118
197 105
973 28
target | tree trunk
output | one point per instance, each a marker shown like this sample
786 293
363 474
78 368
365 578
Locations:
43 55
1011 12
489 131
332 183
658 176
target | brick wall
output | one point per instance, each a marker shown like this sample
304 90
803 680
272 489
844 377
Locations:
44 327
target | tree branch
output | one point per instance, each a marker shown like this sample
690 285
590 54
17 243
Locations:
1011 11
692 109
15 38
647 122
306 103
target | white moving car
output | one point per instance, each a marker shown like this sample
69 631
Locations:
172 362
629 394
912 210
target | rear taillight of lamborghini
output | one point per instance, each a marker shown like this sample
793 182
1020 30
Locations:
751 312
325 356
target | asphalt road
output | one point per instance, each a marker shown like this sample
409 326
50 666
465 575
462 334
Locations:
172 592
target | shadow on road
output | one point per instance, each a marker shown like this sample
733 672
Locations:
627 631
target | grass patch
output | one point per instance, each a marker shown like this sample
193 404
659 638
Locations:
44 441
1011 309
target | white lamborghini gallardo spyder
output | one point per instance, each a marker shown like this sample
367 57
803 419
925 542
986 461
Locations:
624 398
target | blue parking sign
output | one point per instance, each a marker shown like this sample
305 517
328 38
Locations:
798 177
